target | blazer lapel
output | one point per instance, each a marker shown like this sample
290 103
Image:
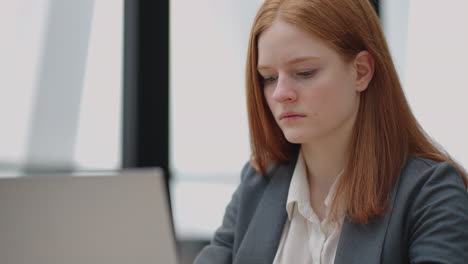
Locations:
264 232
363 244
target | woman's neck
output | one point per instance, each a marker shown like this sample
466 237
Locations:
323 165
325 161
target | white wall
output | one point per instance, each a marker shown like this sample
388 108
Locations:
209 141
22 25
209 134
437 72
394 17
60 83
428 40
100 124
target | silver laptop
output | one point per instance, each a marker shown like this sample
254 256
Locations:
110 218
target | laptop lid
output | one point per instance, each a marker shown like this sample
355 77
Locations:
118 217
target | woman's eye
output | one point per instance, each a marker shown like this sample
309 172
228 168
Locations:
306 74
269 79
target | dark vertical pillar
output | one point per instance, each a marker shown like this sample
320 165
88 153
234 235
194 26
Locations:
376 4
146 85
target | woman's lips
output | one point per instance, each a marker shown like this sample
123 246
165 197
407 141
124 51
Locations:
289 116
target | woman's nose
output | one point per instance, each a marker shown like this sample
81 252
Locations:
284 91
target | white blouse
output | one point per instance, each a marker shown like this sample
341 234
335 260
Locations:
305 239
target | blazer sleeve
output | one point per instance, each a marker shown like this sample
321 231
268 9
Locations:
220 249
438 218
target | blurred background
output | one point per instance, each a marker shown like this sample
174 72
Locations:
111 84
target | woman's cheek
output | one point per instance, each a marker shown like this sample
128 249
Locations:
325 101
321 96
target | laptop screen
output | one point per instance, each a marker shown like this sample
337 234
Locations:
119 217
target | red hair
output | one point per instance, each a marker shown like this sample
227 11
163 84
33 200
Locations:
385 132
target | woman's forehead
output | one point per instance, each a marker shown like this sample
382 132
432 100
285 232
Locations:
285 42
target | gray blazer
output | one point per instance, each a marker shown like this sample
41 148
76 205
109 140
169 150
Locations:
427 221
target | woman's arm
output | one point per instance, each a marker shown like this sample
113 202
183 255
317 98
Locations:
220 249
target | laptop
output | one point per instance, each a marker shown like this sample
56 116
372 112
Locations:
98 218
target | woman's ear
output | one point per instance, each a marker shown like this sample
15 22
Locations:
364 67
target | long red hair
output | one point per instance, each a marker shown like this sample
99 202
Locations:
385 132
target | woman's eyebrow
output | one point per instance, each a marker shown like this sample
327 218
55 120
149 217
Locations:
301 59
293 61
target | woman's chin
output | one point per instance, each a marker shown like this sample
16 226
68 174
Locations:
294 138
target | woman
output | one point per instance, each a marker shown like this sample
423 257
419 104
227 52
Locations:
341 171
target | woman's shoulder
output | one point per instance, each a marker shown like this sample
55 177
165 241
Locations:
422 180
253 184
420 170
431 203
253 179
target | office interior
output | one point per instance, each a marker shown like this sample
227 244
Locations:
96 85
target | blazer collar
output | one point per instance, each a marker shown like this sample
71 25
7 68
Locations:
263 235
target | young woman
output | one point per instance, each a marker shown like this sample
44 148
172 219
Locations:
341 172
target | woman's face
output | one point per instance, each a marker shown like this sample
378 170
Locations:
310 90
